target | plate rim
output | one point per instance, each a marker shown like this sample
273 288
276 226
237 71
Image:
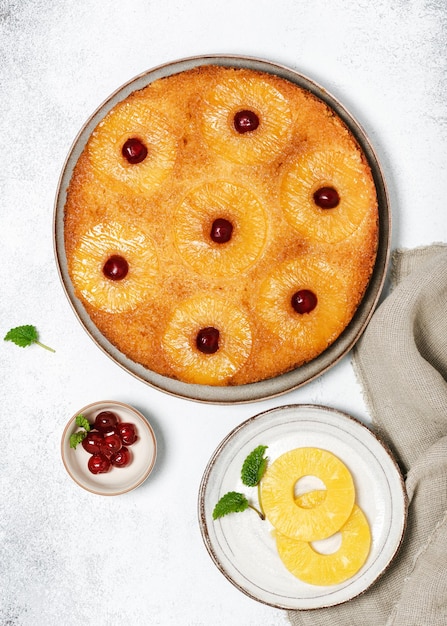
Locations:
246 423
264 389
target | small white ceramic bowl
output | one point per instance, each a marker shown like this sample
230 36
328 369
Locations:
117 480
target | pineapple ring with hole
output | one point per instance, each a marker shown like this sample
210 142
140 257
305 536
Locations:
280 507
312 567
95 247
193 222
127 120
345 172
179 340
317 329
234 94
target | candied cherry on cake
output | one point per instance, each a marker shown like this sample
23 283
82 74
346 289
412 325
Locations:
215 213
103 257
121 458
304 301
134 146
221 230
245 121
326 198
305 198
199 313
127 433
116 267
207 340
134 150
279 292
98 464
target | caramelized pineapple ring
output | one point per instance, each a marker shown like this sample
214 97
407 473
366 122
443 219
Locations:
312 567
97 249
333 171
307 524
228 119
133 120
188 321
323 323
193 228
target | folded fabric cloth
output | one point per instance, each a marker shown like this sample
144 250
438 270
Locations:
401 362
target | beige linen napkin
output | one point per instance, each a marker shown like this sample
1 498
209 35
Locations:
401 362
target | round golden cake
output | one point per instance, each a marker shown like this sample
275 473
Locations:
221 226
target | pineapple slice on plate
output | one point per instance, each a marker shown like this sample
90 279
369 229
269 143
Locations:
326 195
220 228
246 119
114 267
278 499
207 340
313 567
133 146
305 302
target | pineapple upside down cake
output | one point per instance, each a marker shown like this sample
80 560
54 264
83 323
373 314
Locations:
221 226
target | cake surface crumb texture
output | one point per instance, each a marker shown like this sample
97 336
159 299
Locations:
221 226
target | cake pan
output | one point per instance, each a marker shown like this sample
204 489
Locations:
285 382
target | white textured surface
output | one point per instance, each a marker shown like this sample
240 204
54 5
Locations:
69 557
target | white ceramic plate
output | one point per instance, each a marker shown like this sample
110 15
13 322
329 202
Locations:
117 480
241 545
290 380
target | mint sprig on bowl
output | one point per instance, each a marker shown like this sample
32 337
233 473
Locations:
79 436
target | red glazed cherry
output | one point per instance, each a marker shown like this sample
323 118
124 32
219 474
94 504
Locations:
134 150
98 464
127 433
116 267
92 442
304 301
110 431
245 121
221 230
105 420
326 198
207 340
121 458
110 445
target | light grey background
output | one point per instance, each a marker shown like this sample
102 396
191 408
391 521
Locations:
66 556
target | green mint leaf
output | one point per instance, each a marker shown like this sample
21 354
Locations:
24 336
82 422
231 502
254 467
80 435
77 437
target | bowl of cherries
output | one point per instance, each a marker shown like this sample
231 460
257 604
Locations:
108 448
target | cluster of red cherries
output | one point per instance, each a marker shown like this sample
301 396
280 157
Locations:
108 442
